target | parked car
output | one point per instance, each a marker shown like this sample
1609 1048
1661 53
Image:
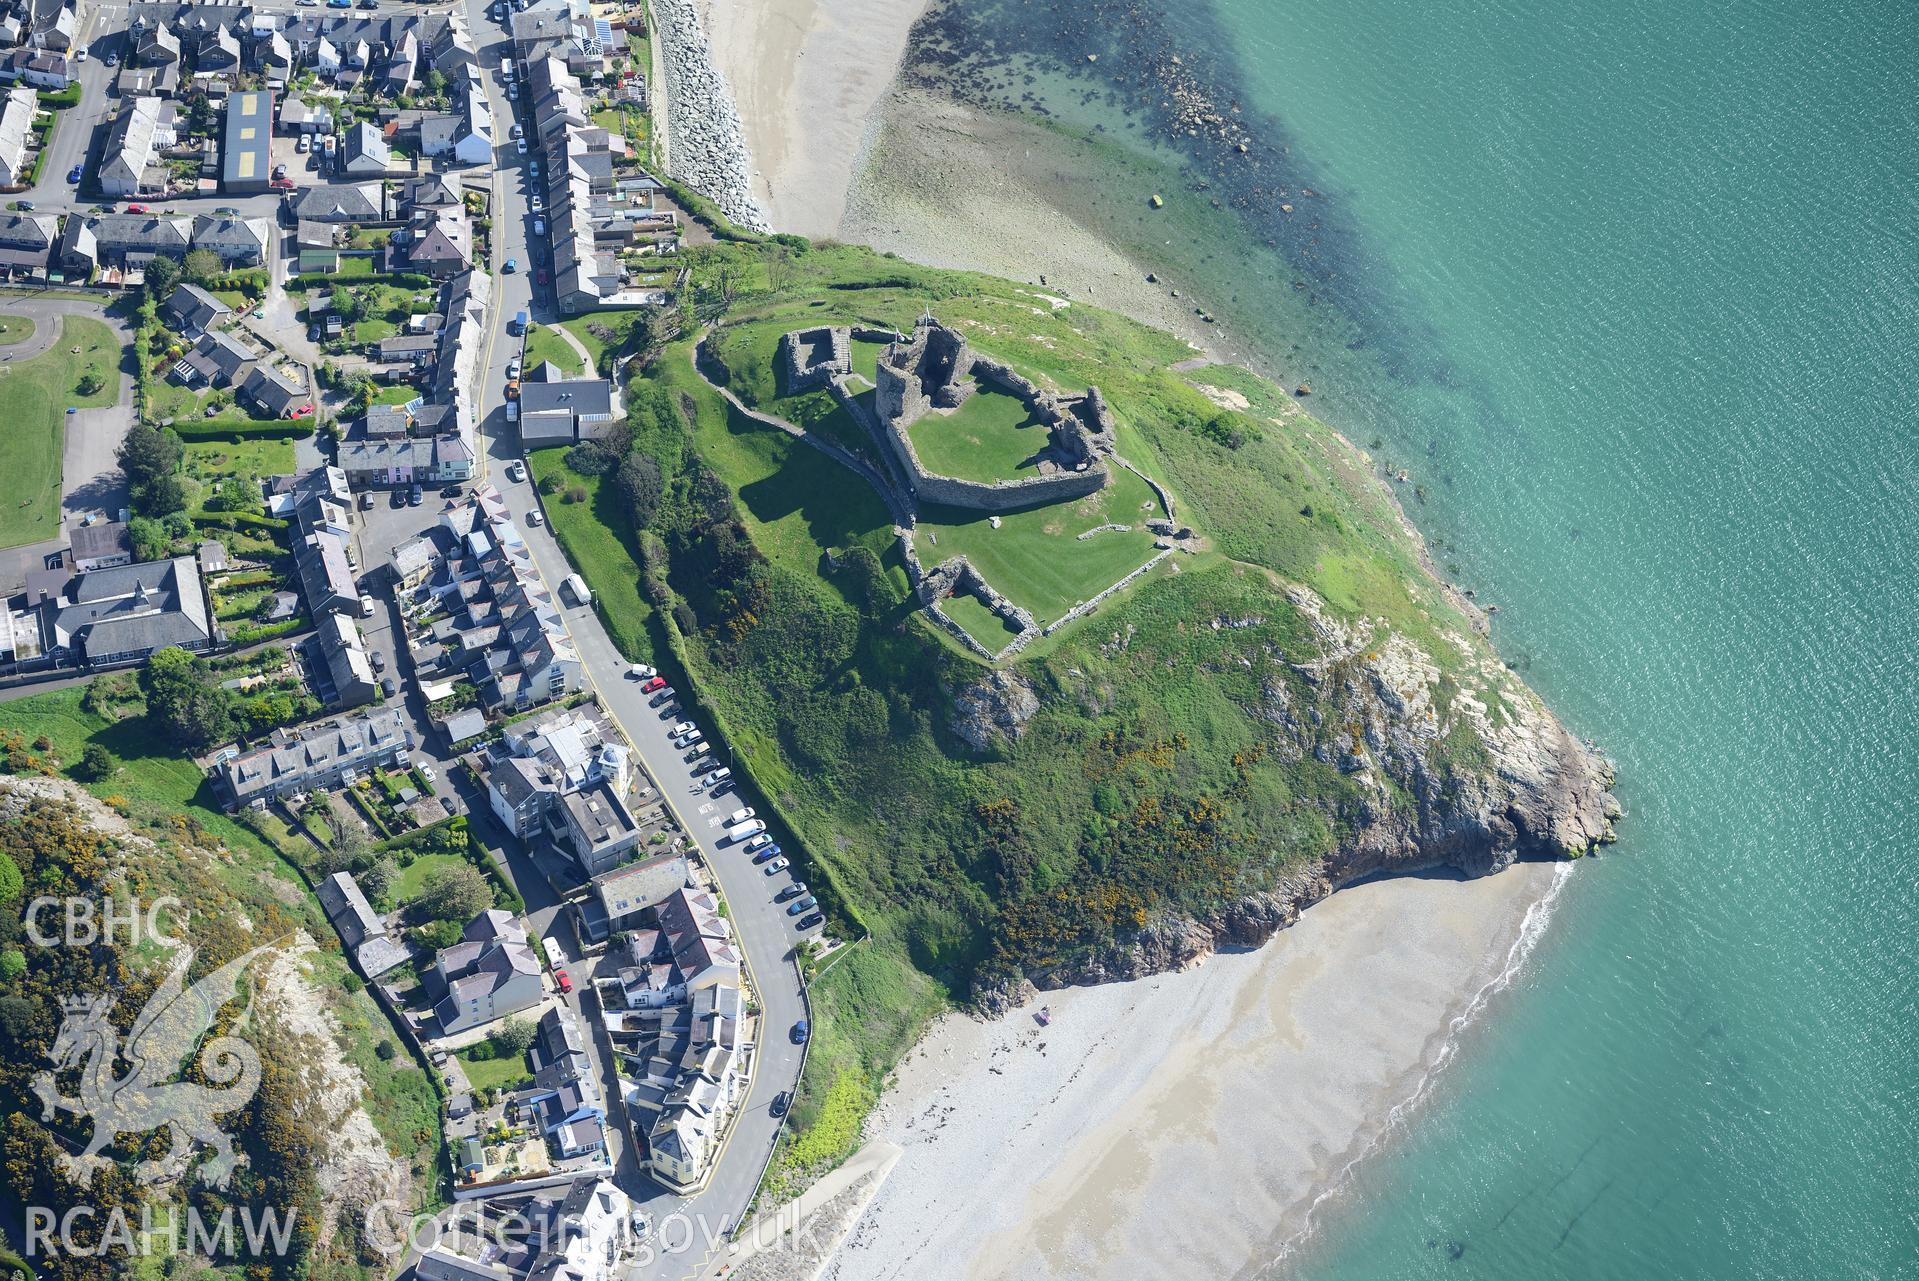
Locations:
565 981
691 741
512 265
741 815
279 171
429 773
536 517
806 904
518 131
113 60
777 866
799 1033
73 174
516 470
366 502
777 1108
387 687
306 139
379 661
521 144
658 682
639 672
721 774
683 727
770 852
538 203
794 890
759 842
810 922
80 55
539 229
26 206
339 4
415 496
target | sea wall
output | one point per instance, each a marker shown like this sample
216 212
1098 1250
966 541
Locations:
705 143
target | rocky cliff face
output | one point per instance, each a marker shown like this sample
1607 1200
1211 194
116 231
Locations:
1491 774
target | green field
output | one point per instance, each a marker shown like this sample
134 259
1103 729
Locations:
15 329
1035 557
617 323
594 533
213 459
34 397
993 436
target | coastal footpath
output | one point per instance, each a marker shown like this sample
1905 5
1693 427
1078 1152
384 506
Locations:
706 147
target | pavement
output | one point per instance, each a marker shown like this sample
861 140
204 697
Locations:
765 932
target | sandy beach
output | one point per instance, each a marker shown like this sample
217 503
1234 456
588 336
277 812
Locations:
1186 1125
807 76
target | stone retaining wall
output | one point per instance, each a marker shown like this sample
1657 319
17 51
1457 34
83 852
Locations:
706 145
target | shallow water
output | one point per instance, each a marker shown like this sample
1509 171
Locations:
1632 289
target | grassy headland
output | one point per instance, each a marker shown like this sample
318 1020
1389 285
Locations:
1184 748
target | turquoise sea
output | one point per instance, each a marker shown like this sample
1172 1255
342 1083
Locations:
1662 260
1632 288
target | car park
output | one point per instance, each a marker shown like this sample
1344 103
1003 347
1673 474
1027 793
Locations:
806 904
794 890
808 922
777 866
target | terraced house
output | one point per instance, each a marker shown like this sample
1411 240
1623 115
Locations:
313 757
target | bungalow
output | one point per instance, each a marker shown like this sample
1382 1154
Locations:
100 545
16 136
360 202
191 310
405 349
272 392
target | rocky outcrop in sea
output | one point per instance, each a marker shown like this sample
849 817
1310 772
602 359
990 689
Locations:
706 145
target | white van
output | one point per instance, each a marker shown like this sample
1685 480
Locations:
555 958
740 831
577 588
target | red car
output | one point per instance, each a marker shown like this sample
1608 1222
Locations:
658 682
137 209
564 980
542 277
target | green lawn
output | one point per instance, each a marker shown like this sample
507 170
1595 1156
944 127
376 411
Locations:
1035 556
499 1073
168 401
866 358
396 394
412 878
15 329
981 623
542 344
374 329
619 323
351 268
991 437
34 396
209 460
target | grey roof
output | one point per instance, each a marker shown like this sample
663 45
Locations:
129 608
295 756
581 397
363 142
193 308
271 389
639 885
101 538
347 907
465 724
232 237
359 202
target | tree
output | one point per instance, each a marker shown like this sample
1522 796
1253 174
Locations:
638 483
90 383
201 266
149 538
96 764
378 880
162 275
185 701
513 1037
350 305
12 883
455 893
150 458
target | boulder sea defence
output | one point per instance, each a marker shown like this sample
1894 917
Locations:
706 144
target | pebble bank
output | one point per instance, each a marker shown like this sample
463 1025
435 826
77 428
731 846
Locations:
706 145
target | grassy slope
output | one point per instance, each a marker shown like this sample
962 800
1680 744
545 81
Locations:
163 793
1129 793
34 396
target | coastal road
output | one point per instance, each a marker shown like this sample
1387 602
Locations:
764 931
